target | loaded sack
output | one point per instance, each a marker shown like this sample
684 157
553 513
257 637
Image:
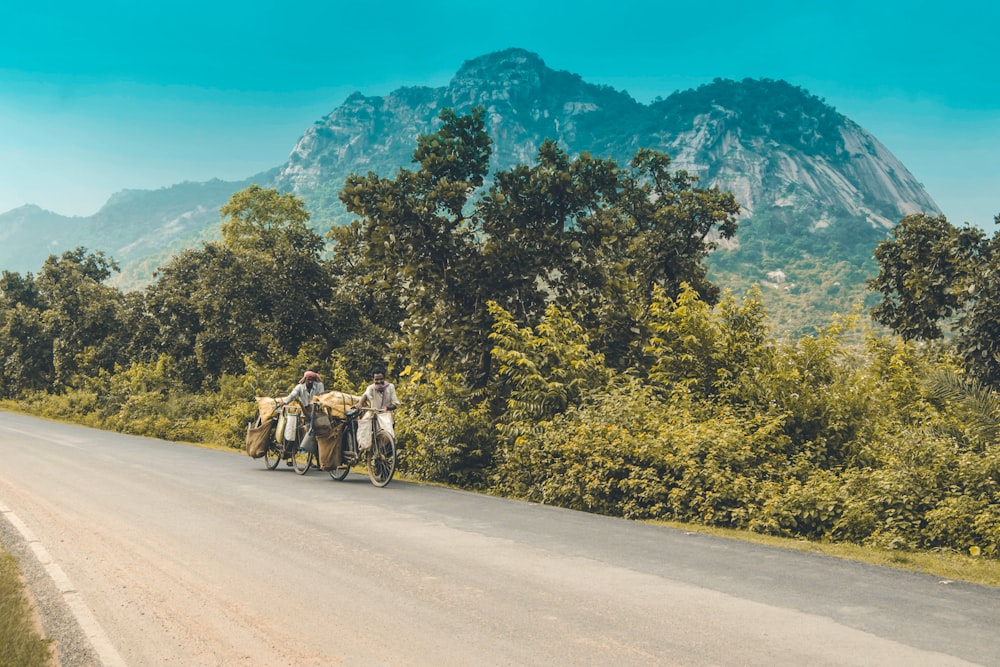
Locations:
258 433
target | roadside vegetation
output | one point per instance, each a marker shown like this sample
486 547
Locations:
20 643
555 337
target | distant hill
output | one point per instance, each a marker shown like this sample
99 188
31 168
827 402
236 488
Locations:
140 229
817 190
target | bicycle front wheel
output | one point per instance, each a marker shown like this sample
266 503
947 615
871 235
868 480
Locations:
382 459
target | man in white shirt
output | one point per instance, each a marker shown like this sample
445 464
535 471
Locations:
380 394
308 388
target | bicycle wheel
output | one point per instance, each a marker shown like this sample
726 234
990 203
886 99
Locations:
302 461
348 445
273 454
382 459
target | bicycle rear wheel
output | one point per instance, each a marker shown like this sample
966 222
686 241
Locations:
302 461
273 455
348 445
382 459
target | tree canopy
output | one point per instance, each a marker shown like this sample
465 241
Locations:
579 232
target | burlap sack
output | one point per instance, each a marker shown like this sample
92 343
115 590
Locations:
338 403
329 447
258 433
266 407
320 418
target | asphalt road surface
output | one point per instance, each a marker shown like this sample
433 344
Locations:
169 554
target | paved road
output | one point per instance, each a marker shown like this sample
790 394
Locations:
187 556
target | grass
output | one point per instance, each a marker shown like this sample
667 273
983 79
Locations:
947 565
20 642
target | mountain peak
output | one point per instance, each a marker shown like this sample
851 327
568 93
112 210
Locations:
516 62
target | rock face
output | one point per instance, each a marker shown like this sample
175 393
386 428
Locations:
780 150
526 103
790 159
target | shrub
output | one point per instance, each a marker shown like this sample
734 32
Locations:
445 432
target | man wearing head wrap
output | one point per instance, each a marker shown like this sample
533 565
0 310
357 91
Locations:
308 388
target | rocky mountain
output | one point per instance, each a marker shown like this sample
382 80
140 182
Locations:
816 189
776 147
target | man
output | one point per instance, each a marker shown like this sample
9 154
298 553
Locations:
308 388
380 394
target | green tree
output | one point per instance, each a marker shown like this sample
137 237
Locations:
267 222
703 349
263 292
25 351
416 240
25 348
926 275
936 278
80 315
580 233
366 306
978 337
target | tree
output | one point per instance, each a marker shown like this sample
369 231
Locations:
978 337
25 351
80 315
579 232
925 273
263 292
651 231
934 275
268 222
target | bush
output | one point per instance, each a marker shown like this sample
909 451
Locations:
445 431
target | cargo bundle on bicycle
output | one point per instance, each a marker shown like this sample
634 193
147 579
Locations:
333 405
260 431
327 434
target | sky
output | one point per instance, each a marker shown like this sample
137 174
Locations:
110 95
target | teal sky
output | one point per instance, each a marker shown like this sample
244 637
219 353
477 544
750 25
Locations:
112 95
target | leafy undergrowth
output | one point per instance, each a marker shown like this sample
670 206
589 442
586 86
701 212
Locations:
948 565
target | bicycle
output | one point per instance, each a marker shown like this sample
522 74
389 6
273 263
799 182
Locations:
379 456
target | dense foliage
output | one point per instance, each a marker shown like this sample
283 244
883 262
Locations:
554 337
582 233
